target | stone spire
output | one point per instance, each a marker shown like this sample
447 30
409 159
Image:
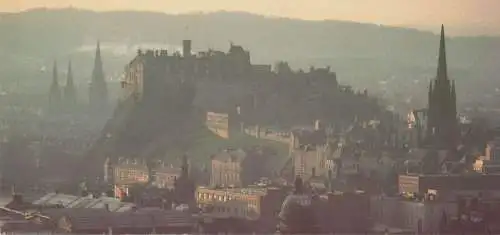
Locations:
98 93
69 89
441 116
453 99
55 92
430 109
442 70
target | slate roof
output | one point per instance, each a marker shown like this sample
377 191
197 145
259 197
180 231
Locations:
71 201
137 220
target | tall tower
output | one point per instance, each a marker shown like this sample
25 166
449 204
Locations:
98 91
184 186
54 92
442 108
70 90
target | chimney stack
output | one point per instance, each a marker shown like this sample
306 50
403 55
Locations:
186 48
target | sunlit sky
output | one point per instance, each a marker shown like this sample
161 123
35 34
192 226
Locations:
391 12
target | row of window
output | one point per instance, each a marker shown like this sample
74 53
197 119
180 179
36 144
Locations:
226 179
225 198
235 211
132 174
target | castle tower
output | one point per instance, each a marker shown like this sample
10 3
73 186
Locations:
98 91
54 92
69 90
442 109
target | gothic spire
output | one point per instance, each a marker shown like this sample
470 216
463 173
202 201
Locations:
98 73
69 89
69 81
98 93
442 73
54 93
55 80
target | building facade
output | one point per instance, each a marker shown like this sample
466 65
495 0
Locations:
310 151
256 206
227 168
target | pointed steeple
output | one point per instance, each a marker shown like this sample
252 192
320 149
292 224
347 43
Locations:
69 89
442 115
98 59
54 92
69 81
98 93
442 72
55 80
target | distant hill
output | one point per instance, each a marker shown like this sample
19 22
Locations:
362 54
52 32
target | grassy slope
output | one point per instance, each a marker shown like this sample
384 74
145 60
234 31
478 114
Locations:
205 143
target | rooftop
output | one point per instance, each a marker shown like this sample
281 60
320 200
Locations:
243 191
72 201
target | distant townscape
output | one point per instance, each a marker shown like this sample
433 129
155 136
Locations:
207 141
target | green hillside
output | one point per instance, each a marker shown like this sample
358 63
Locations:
206 143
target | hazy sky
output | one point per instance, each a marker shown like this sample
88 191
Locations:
393 12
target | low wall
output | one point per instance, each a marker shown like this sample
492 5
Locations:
268 135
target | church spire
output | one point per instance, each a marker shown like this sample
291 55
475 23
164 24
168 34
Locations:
55 80
54 93
442 115
69 89
98 93
97 59
442 72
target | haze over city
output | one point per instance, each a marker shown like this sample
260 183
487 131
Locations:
463 17
250 117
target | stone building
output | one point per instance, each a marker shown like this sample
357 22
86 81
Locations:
254 206
127 172
239 168
310 151
153 72
227 168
